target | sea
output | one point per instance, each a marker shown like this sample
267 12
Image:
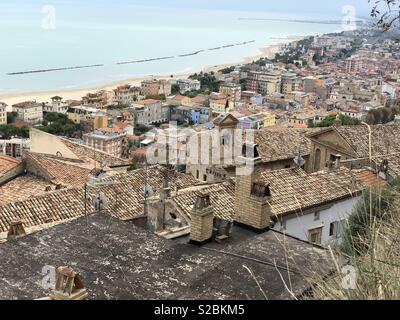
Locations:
117 40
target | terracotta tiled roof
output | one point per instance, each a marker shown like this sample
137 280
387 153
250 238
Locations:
58 171
21 188
46 208
7 164
148 102
280 143
126 191
370 178
293 190
91 155
385 139
222 199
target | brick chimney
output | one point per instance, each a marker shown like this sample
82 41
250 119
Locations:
156 210
69 285
16 230
252 196
202 220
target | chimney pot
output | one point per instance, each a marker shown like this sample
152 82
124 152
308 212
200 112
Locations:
16 229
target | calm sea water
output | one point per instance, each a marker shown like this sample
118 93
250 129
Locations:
87 34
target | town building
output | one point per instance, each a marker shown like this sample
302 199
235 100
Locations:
57 105
232 91
79 114
351 146
154 88
150 111
188 85
3 113
99 100
112 141
354 64
265 82
14 147
289 83
29 112
127 94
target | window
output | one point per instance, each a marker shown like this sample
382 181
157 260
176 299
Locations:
335 229
197 174
317 215
315 235
204 177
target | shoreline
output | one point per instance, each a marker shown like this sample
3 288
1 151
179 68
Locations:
77 94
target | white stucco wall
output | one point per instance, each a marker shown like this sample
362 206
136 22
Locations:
299 226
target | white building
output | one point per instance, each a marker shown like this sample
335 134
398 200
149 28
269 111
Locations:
14 147
57 105
127 94
29 111
187 85
3 113
150 111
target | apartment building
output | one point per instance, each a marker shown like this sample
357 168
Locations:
29 111
354 64
13 147
154 88
80 114
150 111
266 82
109 140
187 85
3 113
232 91
57 105
289 83
99 99
127 94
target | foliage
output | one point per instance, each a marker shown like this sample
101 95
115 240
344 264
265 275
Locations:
387 13
243 84
118 106
227 70
59 124
141 129
344 120
175 88
11 117
8 131
373 205
208 81
370 248
382 115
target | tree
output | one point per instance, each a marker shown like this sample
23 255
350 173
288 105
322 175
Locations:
175 88
11 117
387 13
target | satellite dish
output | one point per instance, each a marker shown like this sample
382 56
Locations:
100 202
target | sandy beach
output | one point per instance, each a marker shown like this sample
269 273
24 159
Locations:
45 96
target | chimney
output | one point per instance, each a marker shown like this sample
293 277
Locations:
156 210
16 230
337 159
202 220
69 285
252 197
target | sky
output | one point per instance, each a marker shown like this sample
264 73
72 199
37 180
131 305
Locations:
324 7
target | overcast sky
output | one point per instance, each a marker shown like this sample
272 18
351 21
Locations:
326 7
